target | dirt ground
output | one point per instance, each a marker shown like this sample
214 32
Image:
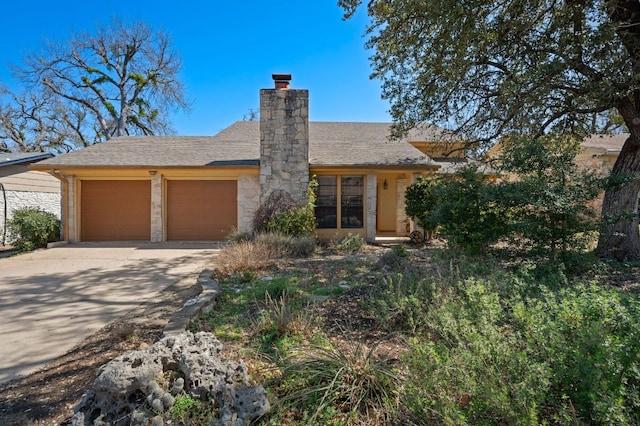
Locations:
48 396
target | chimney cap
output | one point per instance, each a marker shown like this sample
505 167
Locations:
281 77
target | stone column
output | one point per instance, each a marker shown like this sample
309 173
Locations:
284 140
401 215
70 201
157 234
371 206
248 201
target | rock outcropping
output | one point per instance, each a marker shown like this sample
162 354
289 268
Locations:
140 387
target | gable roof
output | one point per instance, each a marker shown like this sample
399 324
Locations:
11 158
330 144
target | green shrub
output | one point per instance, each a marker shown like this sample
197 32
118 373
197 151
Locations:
568 356
32 228
299 221
421 201
281 214
399 302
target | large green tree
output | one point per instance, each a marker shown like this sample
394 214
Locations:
489 68
122 79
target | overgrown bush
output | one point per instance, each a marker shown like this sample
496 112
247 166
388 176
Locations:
278 201
31 228
466 212
299 221
567 356
421 201
548 201
540 206
281 214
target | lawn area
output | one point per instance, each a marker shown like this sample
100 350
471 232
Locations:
350 333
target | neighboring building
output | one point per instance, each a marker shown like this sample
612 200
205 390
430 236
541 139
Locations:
199 188
21 187
600 152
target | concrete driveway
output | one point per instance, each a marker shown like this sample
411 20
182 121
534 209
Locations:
50 300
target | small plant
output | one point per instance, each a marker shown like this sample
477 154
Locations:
32 228
236 236
187 410
349 244
400 250
277 315
352 379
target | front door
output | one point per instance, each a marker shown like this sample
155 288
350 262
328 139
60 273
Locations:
386 213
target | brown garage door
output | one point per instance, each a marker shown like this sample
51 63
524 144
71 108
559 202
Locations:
115 210
204 210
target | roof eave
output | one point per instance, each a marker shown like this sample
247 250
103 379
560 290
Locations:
43 156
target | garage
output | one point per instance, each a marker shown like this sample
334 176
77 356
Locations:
201 210
115 210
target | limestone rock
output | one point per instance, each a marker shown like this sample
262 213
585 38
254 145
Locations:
139 387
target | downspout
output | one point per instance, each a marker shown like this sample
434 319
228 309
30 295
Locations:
4 226
64 196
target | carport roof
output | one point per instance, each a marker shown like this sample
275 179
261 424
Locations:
330 144
10 158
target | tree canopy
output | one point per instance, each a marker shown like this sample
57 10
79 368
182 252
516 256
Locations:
489 69
121 80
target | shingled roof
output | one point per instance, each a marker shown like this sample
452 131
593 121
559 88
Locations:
330 144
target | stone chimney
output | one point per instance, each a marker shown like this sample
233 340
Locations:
284 139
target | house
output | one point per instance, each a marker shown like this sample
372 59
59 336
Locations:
22 187
600 152
154 188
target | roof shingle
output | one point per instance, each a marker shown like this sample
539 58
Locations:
330 144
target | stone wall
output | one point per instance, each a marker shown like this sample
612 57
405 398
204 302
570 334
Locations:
284 142
47 201
371 206
156 209
248 201
401 215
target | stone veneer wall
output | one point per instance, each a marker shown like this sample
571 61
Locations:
157 234
371 205
248 201
284 142
47 201
401 215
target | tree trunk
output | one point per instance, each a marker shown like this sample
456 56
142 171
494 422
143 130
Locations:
619 235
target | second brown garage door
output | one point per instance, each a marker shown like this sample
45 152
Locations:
204 210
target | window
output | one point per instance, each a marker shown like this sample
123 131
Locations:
351 201
343 195
327 202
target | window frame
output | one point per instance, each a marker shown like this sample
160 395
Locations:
339 201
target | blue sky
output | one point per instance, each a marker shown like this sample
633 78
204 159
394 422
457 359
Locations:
229 51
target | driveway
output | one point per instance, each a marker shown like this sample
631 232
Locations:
50 300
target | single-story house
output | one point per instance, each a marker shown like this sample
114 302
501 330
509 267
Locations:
22 187
160 188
